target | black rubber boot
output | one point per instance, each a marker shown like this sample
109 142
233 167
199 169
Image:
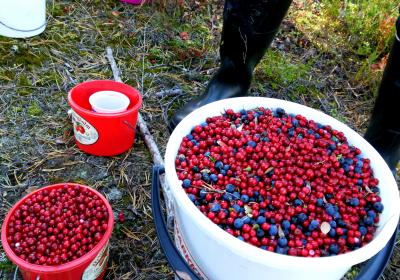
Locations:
248 29
384 129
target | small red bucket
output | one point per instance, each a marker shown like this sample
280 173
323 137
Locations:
103 134
90 266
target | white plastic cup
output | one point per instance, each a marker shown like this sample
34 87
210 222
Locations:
109 102
22 18
218 255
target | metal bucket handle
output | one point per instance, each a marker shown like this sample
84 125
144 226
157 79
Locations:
371 270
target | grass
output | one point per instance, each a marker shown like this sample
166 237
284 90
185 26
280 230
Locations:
322 58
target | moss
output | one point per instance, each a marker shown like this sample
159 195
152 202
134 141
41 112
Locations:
34 110
281 71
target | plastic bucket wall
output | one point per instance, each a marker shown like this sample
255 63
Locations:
221 256
91 266
22 18
103 134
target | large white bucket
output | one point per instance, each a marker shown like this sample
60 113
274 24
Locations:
217 255
22 18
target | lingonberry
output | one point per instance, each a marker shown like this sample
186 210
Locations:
280 182
50 227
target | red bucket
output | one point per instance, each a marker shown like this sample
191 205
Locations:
103 134
92 265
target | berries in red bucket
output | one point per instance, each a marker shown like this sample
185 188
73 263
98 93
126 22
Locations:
280 182
59 232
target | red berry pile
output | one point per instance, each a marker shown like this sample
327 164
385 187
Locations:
53 227
280 182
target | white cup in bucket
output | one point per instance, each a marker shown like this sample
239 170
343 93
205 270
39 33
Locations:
109 102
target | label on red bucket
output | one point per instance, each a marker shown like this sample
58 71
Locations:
182 247
84 132
97 266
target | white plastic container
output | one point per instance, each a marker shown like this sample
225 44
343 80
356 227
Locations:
22 18
218 255
109 102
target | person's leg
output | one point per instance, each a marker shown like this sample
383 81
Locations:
384 128
248 29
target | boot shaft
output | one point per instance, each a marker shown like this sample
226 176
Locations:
248 30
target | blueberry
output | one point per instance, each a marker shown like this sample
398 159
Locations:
302 217
207 154
261 219
206 177
203 193
252 144
332 224
280 112
204 124
368 221
260 233
238 223
354 201
186 183
195 169
227 197
223 172
216 207
359 182
320 125
357 170
243 112
244 198
273 230
226 167
291 132
332 232
330 210
320 202
214 178
332 147
298 202
378 206
372 214
313 225
189 137
285 224
236 195
263 247
236 207
363 230
295 122
219 164
317 136
278 130
240 238
282 242
192 197
265 139
230 188
334 249
359 163
281 250
246 219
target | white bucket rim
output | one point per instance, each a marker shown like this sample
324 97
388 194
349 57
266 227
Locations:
384 231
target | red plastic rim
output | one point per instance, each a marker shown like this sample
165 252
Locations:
109 85
24 265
